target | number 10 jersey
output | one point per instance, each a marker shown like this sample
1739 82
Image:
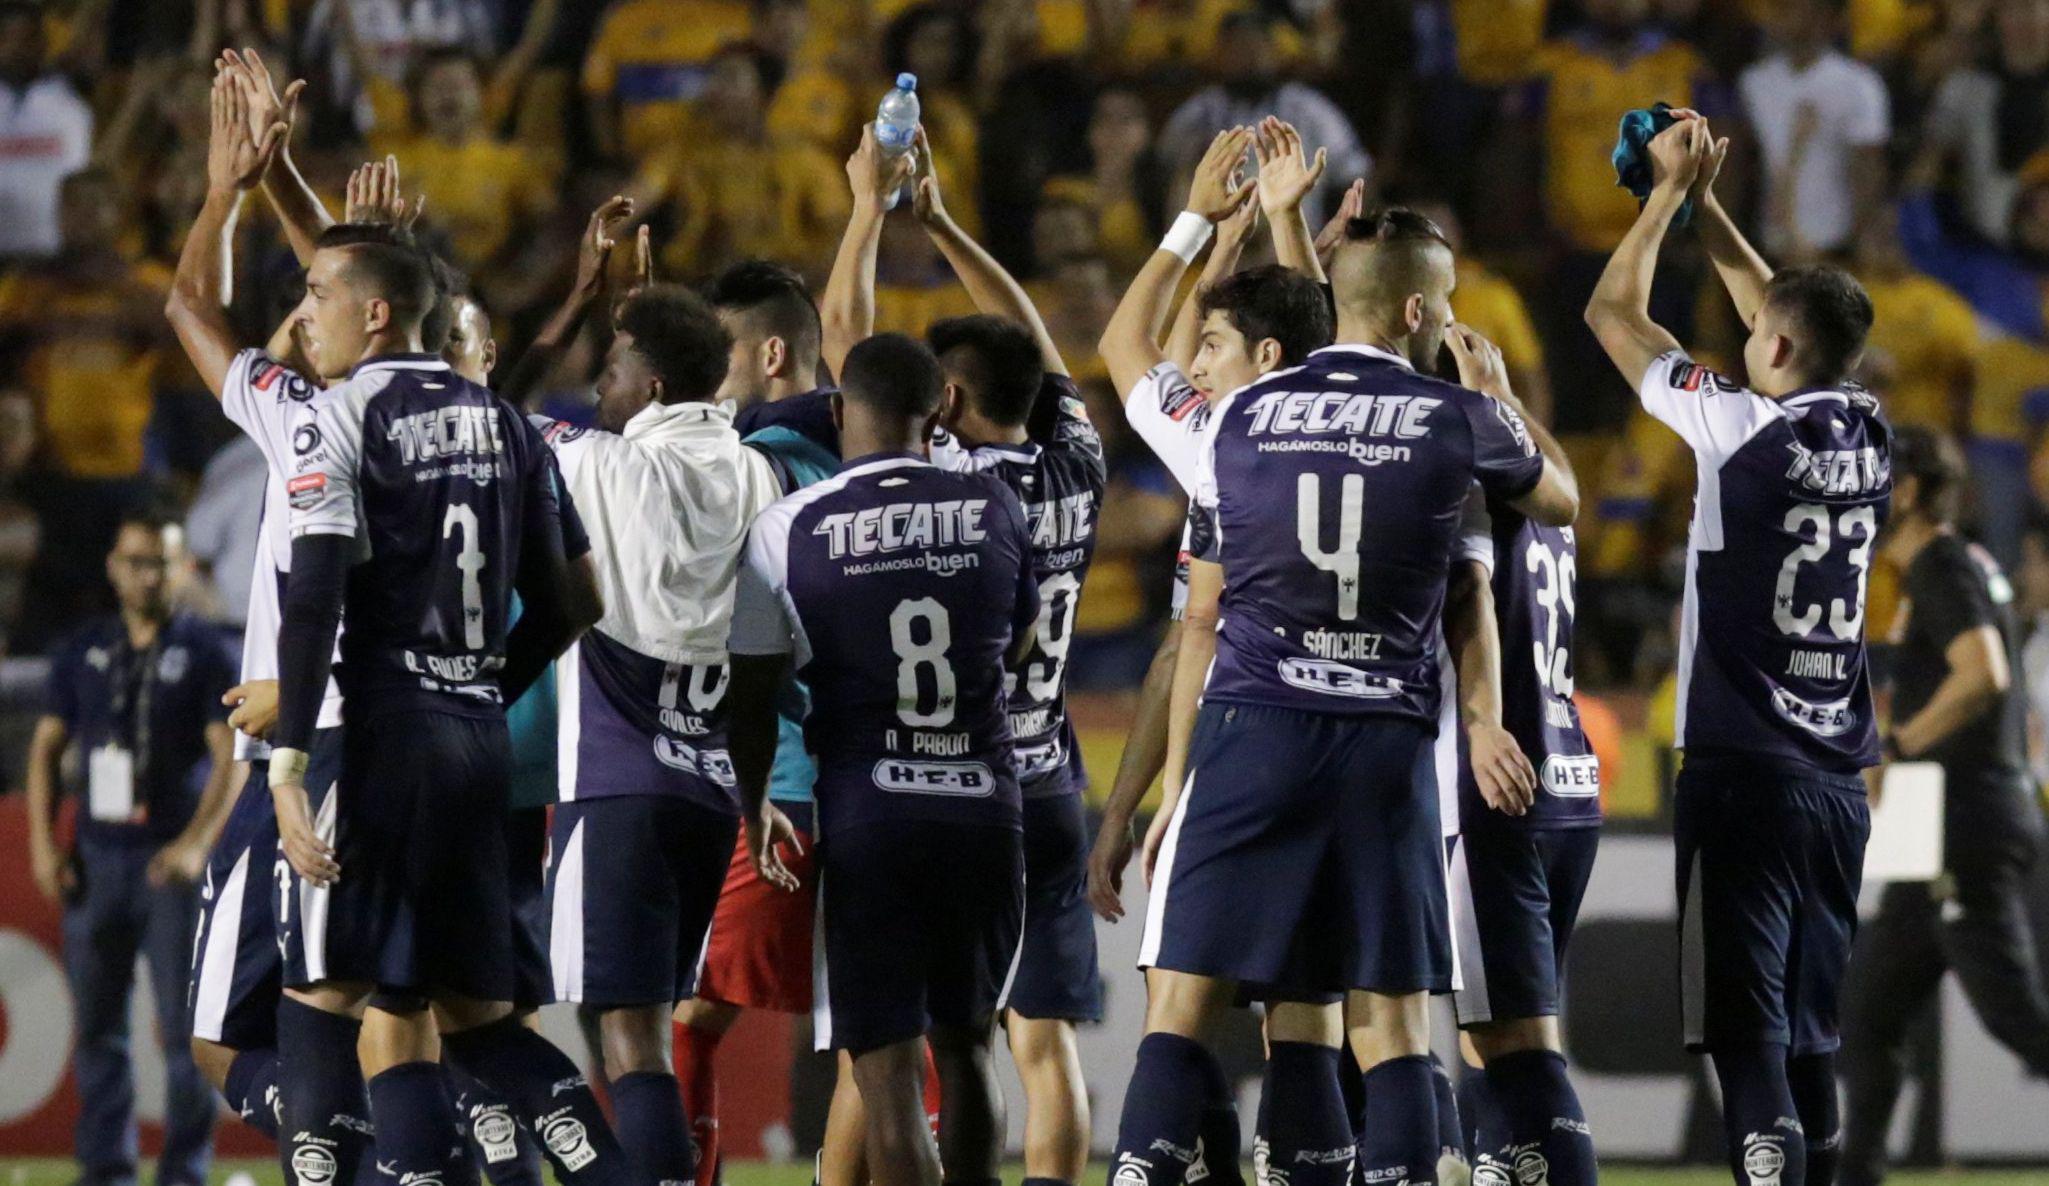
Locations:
897 588
1790 499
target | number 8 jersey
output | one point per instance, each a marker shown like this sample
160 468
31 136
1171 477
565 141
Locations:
897 588
1791 496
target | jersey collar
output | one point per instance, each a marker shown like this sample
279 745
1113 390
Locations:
1373 352
875 463
399 362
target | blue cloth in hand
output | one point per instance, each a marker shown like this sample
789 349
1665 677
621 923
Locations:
1632 154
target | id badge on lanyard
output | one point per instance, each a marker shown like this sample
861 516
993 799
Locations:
110 784
111 768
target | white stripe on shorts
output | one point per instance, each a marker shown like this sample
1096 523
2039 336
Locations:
1163 873
1469 967
313 899
821 987
565 921
1693 962
217 958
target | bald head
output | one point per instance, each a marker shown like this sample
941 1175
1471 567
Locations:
1392 280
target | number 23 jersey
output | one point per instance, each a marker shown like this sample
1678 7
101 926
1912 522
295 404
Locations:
1790 499
897 588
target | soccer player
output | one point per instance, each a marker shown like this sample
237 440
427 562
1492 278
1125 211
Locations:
1517 879
1959 701
1322 622
648 818
1775 716
900 590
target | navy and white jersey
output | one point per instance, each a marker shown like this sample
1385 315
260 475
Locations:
444 487
265 399
1792 494
1332 494
635 725
1060 484
897 587
1173 419
1535 567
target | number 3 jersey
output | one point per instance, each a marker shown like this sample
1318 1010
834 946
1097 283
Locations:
1332 493
1791 496
897 586
444 487
1060 484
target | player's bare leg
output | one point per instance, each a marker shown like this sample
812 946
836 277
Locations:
842 1159
700 1026
1304 1129
1171 1081
899 1144
1056 1097
646 1104
1390 1038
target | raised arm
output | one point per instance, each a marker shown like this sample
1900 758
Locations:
1619 312
203 283
1555 498
298 208
1233 233
1130 345
1286 177
993 289
847 310
594 252
1743 271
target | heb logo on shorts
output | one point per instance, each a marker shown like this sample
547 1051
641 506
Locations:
1832 719
965 780
1336 679
1572 777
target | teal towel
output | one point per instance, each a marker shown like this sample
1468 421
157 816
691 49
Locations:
1632 155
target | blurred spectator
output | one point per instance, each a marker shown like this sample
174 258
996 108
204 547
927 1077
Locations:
647 61
1989 119
20 530
1116 624
1173 36
221 530
1922 355
45 135
913 285
937 43
737 191
1249 87
1127 182
484 191
365 50
1822 121
1486 300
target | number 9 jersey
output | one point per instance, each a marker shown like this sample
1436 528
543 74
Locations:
1790 499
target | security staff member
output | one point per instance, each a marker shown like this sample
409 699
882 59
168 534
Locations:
135 700
1957 701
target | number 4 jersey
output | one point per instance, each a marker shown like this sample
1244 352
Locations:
1061 486
897 588
1792 493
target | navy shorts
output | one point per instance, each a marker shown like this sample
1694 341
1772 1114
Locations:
526 855
918 926
1515 897
1769 863
1304 855
237 968
631 893
1057 977
423 904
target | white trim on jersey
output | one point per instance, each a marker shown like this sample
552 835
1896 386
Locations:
1444 749
1163 876
216 962
1689 631
1468 961
565 920
1374 352
314 899
821 981
568 720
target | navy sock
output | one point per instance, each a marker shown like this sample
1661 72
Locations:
1304 1131
1163 1106
1451 1137
1759 1116
1352 1081
324 1116
1485 1129
417 1136
499 1145
1399 1136
549 1094
1812 1078
251 1090
648 1107
1541 1114
1218 1142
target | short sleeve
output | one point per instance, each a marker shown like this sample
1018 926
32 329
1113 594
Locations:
1505 460
217 673
1072 434
1199 541
1713 415
1171 417
761 615
1950 599
327 453
1476 531
1869 118
60 690
264 398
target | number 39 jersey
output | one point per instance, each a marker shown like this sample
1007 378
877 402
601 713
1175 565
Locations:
444 487
1791 496
1061 486
1332 494
897 587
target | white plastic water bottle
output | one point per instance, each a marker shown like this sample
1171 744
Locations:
896 125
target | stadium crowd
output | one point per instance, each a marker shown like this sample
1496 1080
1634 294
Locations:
1908 138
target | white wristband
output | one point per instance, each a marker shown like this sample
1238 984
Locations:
288 767
1188 235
